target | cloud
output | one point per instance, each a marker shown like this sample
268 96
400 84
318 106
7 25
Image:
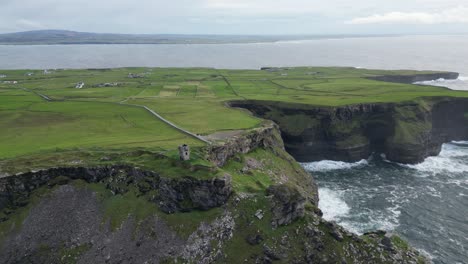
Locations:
29 24
457 15
268 7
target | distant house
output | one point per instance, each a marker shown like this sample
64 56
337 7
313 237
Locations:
29 74
3 76
134 76
107 85
10 82
79 85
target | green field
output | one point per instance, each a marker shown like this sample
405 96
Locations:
100 117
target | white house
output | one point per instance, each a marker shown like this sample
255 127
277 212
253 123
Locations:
79 85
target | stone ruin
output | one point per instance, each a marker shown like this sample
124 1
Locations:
184 152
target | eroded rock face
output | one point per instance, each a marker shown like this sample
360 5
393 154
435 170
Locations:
178 194
71 220
405 132
266 137
287 204
189 193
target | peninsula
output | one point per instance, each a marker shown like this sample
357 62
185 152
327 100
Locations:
199 165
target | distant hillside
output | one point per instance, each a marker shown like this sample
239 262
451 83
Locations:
51 37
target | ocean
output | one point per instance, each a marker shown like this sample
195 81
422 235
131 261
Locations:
426 203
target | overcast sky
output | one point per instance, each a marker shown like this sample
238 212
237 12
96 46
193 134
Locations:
237 16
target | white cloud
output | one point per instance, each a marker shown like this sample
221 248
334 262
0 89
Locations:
277 7
453 15
29 24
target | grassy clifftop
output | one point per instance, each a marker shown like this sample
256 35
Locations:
262 204
100 115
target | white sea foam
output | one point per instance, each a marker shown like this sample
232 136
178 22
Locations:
377 220
426 254
451 159
458 84
332 204
329 165
460 142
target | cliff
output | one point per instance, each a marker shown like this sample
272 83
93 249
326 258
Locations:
182 194
257 206
406 132
409 79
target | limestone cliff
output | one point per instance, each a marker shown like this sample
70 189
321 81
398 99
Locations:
406 132
409 79
182 194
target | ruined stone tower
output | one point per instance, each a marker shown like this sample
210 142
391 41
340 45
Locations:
184 152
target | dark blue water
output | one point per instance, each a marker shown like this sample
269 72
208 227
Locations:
425 203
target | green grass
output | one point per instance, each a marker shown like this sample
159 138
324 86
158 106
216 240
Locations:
71 255
184 224
50 125
192 98
400 243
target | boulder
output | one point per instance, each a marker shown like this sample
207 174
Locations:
287 204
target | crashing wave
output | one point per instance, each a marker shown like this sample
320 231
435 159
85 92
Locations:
329 165
452 159
332 204
458 84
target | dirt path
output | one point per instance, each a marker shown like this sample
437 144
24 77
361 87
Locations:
169 122
45 97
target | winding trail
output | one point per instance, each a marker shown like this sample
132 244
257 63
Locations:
168 122
152 112
45 97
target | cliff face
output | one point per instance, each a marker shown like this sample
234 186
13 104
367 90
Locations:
173 195
409 79
404 132
267 136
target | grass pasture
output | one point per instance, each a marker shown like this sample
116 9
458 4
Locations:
192 98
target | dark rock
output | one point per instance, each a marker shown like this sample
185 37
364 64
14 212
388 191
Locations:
72 217
267 136
189 193
287 204
178 194
335 231
254 239
271 254
387 243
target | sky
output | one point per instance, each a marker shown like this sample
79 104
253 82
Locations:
245 17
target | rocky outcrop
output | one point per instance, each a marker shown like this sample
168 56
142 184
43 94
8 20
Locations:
408 79
189 193
404 132
287 204
267 136
173 194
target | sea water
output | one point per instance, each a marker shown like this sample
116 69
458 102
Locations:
425 203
